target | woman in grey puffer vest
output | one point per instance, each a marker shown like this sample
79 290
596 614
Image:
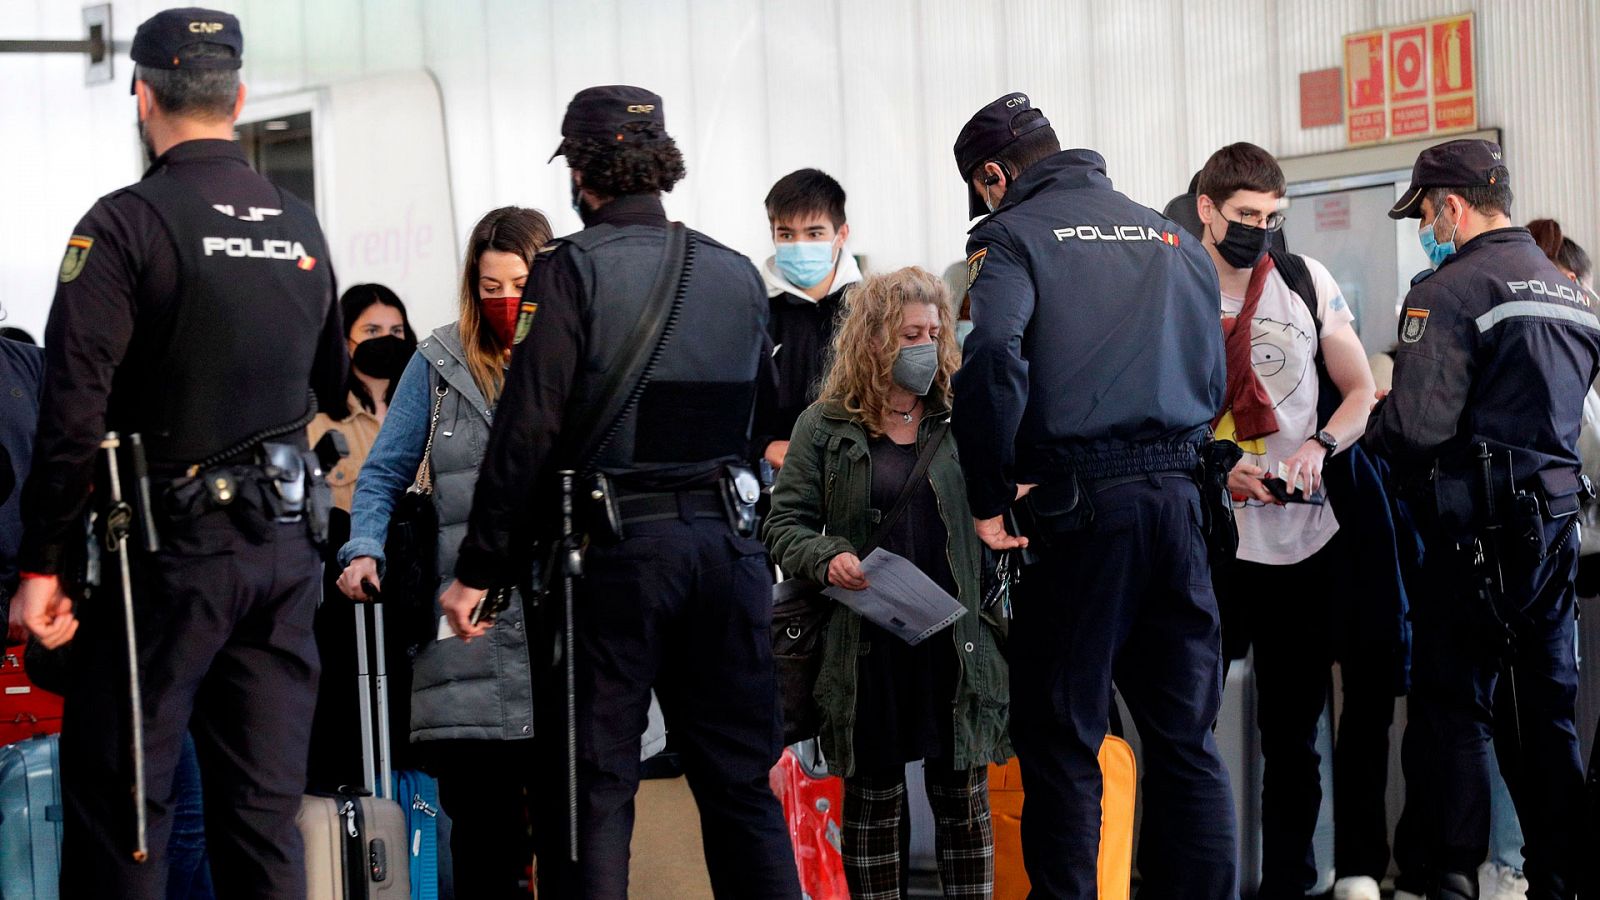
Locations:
471 704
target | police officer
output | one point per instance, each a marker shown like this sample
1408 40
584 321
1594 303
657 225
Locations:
194 308
1497 350
682 601
1093 369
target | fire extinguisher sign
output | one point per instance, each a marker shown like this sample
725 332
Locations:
1410 81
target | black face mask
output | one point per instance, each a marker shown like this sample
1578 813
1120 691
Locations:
382 357
578 205
1243 246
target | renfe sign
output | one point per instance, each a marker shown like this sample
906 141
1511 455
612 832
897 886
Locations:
1410 81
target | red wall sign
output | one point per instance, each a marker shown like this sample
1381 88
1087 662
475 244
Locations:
1410 81
1321 98
1364 108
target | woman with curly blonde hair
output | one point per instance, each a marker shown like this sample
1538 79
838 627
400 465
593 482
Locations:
882 702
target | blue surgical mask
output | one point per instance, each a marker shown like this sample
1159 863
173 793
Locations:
1438 251
963 328
805 263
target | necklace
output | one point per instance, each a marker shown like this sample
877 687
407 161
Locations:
905 413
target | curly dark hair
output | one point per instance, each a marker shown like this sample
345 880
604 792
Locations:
612 169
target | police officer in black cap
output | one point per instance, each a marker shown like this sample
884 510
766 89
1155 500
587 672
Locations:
1497 350
675 591
195 308
1093 370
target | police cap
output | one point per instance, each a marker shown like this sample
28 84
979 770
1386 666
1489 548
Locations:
1461 163
599 114
160 40
989 131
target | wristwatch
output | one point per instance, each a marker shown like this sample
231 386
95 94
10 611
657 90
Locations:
1328 441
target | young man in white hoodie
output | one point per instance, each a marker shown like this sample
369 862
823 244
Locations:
806 277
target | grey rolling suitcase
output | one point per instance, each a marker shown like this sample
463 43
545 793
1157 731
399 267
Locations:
355 839
30 819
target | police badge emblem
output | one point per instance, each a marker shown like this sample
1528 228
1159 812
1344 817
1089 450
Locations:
1416 323
524 320
975 265
77 255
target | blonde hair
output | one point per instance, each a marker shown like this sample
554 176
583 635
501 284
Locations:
867 342
509 229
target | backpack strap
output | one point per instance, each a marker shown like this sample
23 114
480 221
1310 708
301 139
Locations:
1297 275
1295 272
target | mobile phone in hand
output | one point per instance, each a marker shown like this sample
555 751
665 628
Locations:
1279 489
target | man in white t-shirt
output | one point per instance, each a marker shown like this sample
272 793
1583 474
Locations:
1282 596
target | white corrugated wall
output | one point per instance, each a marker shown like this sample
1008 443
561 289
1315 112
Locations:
872 91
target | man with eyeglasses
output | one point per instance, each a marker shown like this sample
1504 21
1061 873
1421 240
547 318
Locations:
1283 593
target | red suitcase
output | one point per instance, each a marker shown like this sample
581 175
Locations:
813 808
25 710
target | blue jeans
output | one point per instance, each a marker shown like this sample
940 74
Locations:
188 871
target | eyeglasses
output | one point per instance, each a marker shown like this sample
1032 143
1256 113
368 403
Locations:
1270 221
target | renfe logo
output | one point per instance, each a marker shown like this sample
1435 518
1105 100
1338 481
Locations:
245 247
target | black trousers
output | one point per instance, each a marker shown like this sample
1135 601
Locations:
1458 712
225 652
684 606
486 788
1128 600
1293 615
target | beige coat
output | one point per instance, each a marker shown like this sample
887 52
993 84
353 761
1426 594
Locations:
360 429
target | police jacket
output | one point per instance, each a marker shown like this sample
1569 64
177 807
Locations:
1094 331
21 366
196 308
692 419
1496 347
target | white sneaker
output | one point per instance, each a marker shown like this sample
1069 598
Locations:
1497 882
1357 887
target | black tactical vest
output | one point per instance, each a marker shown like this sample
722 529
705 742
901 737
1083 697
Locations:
694 416
230 354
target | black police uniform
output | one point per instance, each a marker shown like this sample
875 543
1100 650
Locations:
682 602
196 309
1095 356
1498 349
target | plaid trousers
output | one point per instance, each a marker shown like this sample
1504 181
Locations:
962 836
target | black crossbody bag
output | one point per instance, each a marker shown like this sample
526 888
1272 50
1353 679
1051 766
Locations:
800 615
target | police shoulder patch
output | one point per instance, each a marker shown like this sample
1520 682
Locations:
1416 323
975 265
525 313
77 254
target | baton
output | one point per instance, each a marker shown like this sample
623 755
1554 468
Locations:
119 518
572 569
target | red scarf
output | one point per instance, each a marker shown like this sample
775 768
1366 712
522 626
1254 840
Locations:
1247 396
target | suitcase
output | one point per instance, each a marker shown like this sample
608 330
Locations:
356 839
25 710
813 809
418 795
30 819
1115 866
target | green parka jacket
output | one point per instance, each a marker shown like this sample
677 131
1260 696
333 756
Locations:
821 508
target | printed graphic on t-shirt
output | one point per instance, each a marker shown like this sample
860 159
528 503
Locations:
1283 350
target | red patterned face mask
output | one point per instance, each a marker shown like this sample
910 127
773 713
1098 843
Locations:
501 314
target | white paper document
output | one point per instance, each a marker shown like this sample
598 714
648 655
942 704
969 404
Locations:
900 598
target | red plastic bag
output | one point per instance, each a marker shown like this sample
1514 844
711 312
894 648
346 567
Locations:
813 808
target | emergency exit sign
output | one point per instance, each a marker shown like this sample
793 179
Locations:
1411 81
